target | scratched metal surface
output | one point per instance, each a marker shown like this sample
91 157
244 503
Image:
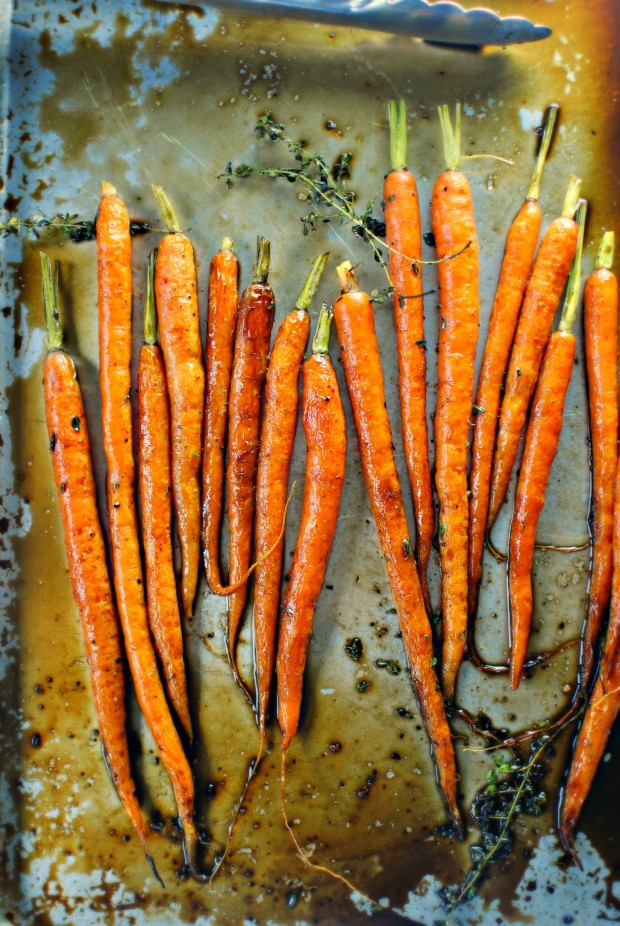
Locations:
140 93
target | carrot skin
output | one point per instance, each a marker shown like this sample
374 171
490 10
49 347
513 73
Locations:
601 346
541 444
155 481
454 229
223 306
403 235
514 275
542 297
325 429
355 326
274 460
179 326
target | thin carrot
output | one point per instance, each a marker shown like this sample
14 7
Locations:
601 345
514 275
542 297
357 337
155 479
179 327
326 441
223 307
86 554
274 460
404 238
541 443
455 234
114 285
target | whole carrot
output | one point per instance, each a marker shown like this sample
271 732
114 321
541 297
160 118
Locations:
274 460
325 429
404 239
541 443
179 327
357 337
542 297
114 287
457 248
223 306
514 275
155 480
90 583
601 344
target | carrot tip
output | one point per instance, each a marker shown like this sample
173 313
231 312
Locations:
151 862
107 189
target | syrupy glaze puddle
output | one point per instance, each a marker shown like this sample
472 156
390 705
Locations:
147 95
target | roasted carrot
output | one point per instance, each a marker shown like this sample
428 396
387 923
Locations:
542 297
359 349
222 309
274 460
155 479
514 275
541 443
256 312
179 327
404 239
86 554
114 287
454 228
601 344
326 441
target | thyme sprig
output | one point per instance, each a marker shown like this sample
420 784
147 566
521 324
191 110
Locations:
66 225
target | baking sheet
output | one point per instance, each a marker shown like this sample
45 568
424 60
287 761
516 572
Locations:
137 94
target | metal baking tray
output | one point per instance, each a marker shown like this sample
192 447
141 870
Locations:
137 93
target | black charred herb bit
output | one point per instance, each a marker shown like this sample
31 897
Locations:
354 648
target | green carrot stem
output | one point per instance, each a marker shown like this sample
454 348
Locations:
312 283
451 135
605 256
320 342
49 275
347 278
549 123
571 299
397 112
571 200
263 257
150 315
227 244
165 210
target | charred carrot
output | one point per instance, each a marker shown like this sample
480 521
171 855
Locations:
353 314
514 275
223 306
542 297
179 327
541 443
155 480
404 239
274 460
114 286
601 345
86 554
326 441
454 229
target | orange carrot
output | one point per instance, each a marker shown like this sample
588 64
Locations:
514 275
274 460
155 480
601 343
457 248
326 440
542 297
179 327
90 583
403 236
541 443
359 348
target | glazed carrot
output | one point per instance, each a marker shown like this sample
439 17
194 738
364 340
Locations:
223 306
155 479
455 234
542 297
256 311
359 350
326 441
86 554
514 275
114 286
274 460
179 328
404 239
541 443
601 344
